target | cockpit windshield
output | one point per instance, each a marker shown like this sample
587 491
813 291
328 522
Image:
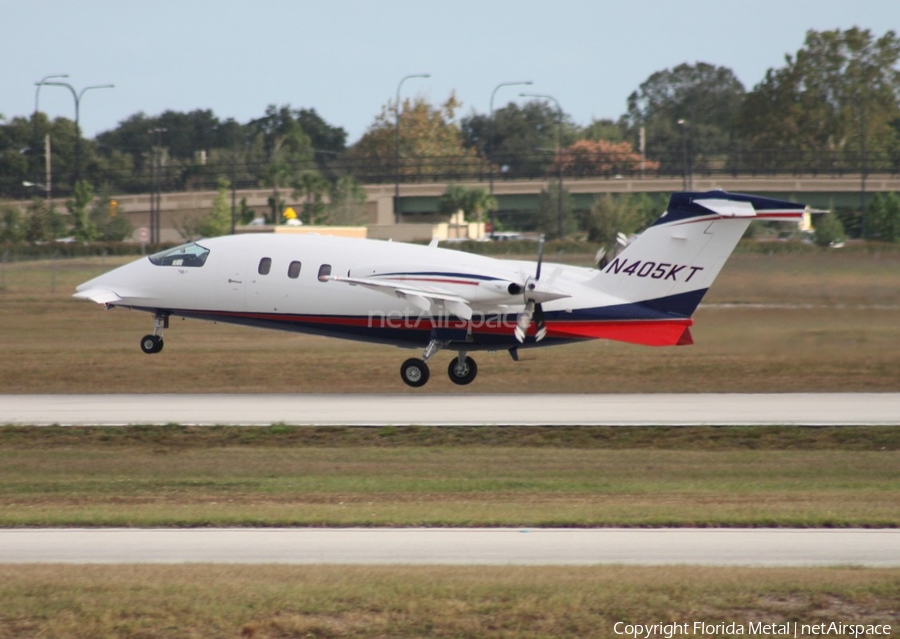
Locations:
186 255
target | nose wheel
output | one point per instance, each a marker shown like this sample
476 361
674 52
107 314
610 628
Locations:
154 343
151 344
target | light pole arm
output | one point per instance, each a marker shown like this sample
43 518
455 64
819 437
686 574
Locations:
42 82
559 168
397 143
77 97
491 128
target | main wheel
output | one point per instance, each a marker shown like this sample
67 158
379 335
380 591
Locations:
462 373
151 344
414 372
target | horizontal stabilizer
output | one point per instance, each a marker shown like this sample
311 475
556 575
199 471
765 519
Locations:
728 208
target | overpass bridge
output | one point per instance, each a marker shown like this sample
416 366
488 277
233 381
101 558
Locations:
418 201
521 195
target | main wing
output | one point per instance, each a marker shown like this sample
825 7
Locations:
421 298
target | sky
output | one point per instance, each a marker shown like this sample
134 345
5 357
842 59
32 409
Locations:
345 58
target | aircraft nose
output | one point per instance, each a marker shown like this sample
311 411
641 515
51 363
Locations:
104 289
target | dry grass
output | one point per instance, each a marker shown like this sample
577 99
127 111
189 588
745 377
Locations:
846 341
158 483
264 602
842 337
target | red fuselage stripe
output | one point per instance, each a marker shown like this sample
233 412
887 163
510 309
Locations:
647 332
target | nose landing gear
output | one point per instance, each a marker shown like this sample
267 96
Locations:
154 343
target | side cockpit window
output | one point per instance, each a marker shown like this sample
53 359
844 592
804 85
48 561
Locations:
186 255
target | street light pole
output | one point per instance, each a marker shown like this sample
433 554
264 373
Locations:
397 144
37 97
685 181
491 130
559 171
77 96
155 196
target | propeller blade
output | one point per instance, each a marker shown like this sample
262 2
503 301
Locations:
523 322
533 309
537 274
539 323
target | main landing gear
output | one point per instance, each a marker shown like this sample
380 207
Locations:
414 372
154 343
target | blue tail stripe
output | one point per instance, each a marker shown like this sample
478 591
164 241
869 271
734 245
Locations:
680 306
682 206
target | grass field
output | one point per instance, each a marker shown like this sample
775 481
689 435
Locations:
298 476
825 321
263 602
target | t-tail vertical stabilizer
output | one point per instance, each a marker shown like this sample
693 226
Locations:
672 264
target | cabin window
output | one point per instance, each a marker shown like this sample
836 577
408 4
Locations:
265 265
294 270
191 254
324 272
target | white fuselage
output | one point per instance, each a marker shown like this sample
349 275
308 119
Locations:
232 286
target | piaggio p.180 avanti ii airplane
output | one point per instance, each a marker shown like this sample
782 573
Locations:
431 298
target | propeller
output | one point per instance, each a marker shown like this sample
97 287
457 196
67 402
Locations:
534 295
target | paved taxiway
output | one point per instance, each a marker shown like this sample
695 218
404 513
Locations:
424 546
456 409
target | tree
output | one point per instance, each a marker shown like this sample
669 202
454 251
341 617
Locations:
323 136
603 130
347 203
832 103
883 217
312 186
287 151
473 202
430 143
703 97
83 227
828 229
622 213
588 158
111 225
215 223
522 135
546 219
42 223
22 157
12 224
37 224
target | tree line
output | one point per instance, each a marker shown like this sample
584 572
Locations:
832 107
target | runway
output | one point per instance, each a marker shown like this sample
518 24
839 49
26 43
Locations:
808 409
448 546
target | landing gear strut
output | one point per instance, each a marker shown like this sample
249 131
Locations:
154 343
